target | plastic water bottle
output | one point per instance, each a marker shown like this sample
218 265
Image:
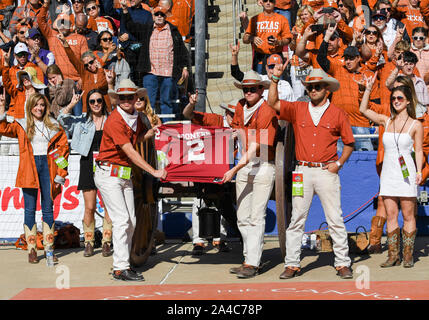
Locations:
304 242
313 244
50 257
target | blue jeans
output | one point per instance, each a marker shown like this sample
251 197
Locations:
360 144
30 195
286 14
166 88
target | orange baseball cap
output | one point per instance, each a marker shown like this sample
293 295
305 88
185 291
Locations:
274 59
160 9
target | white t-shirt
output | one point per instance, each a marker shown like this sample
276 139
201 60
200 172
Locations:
41 138
284 89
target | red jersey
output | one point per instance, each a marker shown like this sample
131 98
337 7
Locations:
194 153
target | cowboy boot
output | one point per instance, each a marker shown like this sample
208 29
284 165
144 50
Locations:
393 258
31 238
106 251
49 237
377 225
89 235
408 240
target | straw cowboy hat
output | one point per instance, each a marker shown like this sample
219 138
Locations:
252 78
230 106
126 86
320 76
32 74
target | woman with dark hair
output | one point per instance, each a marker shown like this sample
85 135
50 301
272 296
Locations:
87 130
373 39
60 89
106 52
420 48
90 71
399 176
348 13
40 136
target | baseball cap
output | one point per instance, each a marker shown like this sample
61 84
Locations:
351 51
379 13
20 47
160 9
33 32
274 59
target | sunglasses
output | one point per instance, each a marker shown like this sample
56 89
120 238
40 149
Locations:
106 39
272 1
340 5
159 14
92 8
399 98
373 32
77 1
126 97
142 99
90 63
251 89
316 87
21 54
92 101
379 18
418 38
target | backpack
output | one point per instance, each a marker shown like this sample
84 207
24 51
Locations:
68 237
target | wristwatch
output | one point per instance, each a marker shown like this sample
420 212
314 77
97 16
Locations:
338 164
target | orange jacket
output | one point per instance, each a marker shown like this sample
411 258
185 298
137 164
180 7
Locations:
27 176
17 96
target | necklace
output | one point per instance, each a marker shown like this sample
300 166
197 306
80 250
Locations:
394 133
48 138
102 123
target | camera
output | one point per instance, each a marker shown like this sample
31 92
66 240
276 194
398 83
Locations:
327 10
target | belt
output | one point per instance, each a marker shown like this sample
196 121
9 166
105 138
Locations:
104 163
312 164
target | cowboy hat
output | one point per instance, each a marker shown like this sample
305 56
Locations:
230 106
32 74
320 76
126 86
252 78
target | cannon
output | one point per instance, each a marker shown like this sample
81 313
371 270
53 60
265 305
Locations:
148 190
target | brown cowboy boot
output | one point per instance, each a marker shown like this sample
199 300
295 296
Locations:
377 225
106 251
408 240
393 251
89 235
31 238
49 237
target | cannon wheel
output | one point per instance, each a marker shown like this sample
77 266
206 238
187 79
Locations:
285 155
146 207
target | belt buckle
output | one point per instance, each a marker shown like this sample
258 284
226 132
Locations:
310 165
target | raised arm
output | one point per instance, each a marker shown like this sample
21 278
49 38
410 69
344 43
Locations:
368 113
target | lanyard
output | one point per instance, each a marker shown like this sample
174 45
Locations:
394 133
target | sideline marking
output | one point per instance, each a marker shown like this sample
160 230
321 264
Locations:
380 290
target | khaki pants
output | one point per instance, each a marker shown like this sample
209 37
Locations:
118 197
327 186
254 184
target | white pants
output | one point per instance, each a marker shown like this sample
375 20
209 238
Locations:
254 184
198 204
327 186
118 197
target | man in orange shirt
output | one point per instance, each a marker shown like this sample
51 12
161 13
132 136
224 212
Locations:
317 126
409 15
283 7
257 124
347 97
268 32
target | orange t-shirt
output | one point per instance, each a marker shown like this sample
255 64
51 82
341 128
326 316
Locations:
314 4
283 4
207 119
261 128
100 24
413 18
263 26
181 16
116 133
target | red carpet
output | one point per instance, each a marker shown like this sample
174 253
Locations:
348 290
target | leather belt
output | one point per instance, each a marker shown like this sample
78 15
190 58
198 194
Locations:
312 164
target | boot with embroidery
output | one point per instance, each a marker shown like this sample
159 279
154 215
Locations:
89 235
393 258
49 237
377 225
106 250
31 239
408 240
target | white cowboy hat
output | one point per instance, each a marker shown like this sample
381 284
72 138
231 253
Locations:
126 86
230 106
32 75
320 76
252 78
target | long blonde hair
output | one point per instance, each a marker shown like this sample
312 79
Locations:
148 111
298 23
31 102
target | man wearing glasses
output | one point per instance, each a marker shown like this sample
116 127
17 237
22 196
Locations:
77 43
268 32
317 126
123 129
256 123
163 57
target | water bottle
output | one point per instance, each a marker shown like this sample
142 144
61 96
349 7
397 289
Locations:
304 242
50 257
